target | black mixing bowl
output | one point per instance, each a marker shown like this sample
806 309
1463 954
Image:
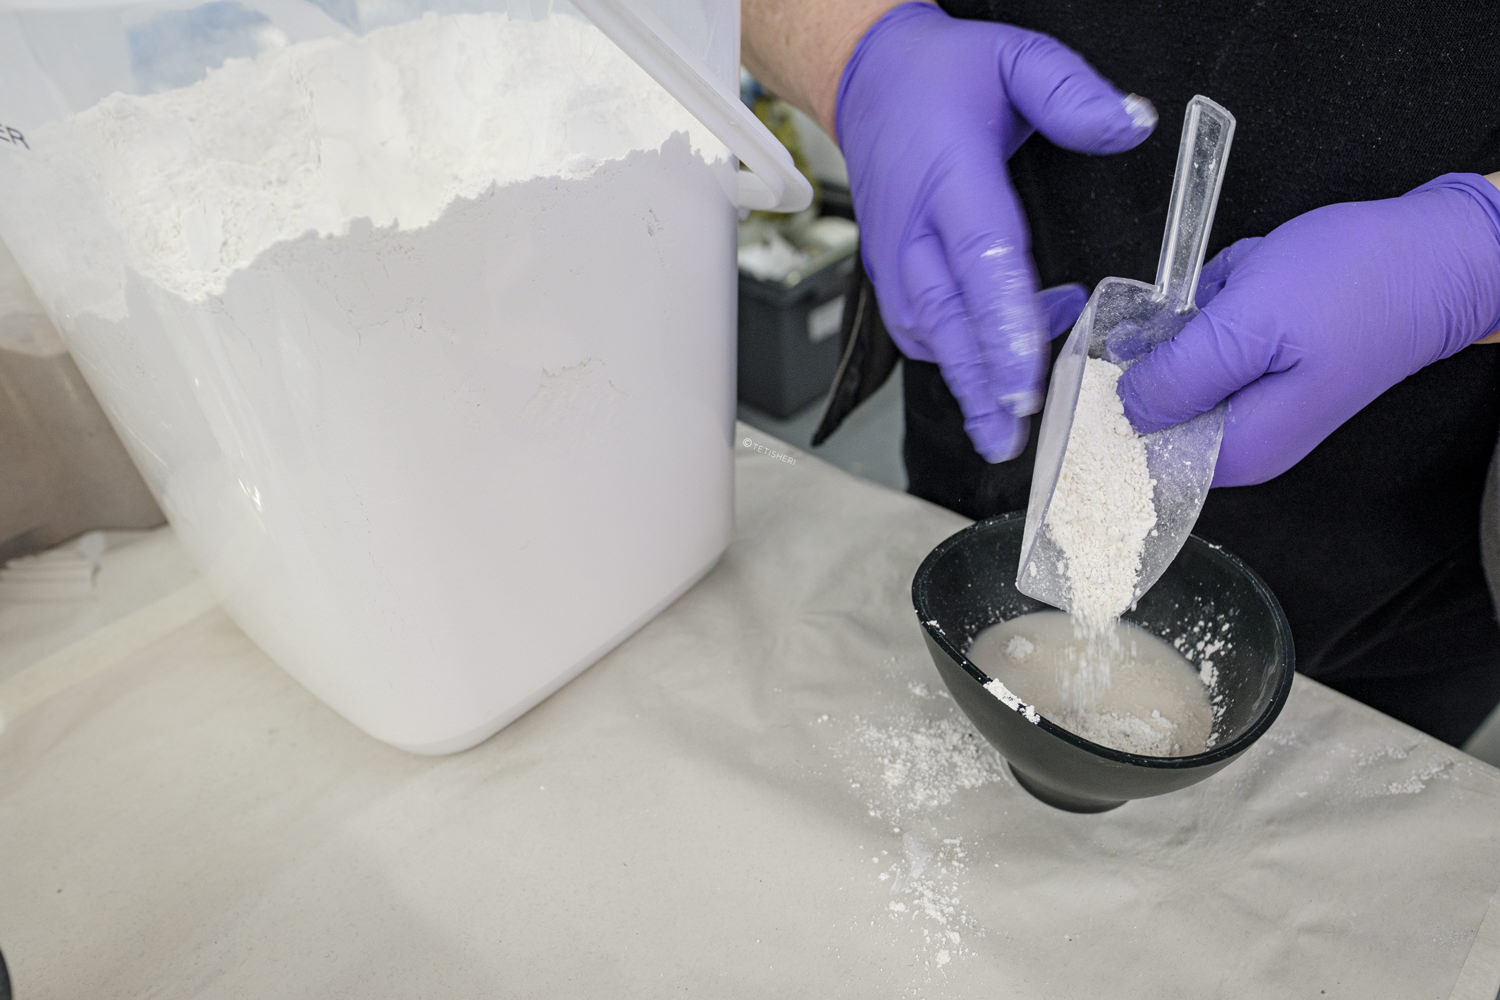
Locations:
1207 596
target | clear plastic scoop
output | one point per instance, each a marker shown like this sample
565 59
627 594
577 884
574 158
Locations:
1121 322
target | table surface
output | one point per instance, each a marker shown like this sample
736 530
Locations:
764 792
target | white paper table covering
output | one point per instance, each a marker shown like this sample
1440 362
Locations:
765 792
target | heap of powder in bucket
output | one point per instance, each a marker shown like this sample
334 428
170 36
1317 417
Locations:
391 127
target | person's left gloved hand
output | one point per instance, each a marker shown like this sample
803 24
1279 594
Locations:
1303 328
930 108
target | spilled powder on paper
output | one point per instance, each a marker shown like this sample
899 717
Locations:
925 762
908 769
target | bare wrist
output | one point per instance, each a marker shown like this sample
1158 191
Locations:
798 50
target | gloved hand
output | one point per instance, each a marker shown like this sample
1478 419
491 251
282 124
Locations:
929 109
1303 328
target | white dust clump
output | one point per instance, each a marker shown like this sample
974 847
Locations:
1102 509
924 763
1155 702
1009 698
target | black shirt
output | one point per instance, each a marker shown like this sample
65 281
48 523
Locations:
1372 541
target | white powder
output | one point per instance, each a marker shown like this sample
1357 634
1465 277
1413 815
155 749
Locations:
1200 642
1155 702
929 876
389 127
419 336
1102 508
1019 647
924 763
909 768
1008 698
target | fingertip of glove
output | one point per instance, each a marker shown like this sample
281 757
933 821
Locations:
1143 116
1022 403
999 438
1061 305
1105 123
1134 119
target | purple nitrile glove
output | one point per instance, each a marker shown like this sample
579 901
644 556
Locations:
1061 306
1303 328
929 109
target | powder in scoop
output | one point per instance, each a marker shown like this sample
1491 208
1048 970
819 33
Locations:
1102 508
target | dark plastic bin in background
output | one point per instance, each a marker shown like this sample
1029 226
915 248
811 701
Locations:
789 337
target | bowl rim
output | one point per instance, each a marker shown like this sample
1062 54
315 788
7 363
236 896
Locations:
920 586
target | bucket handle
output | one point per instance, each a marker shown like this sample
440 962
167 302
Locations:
772 183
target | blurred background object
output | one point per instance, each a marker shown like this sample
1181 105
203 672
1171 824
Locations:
796 274
794 269
65 470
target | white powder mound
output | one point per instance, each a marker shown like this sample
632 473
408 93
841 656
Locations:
924 763
1102 508
1019 647
1152 735
391 126
1154 700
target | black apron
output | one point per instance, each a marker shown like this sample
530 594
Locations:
1372 542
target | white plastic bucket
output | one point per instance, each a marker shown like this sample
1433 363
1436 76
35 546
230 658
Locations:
418 319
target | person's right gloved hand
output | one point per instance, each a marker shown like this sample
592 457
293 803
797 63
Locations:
929 109
1303 328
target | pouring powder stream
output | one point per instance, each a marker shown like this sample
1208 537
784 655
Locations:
1102 509
1100 514
1155 703
1110 682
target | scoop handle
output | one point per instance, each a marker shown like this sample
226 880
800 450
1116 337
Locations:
1206 134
